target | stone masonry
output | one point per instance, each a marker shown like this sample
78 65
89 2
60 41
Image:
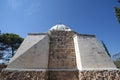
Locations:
23 75
62 52
63 75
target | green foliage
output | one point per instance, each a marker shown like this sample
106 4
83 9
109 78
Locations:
119 1
117 63
10 41
117 12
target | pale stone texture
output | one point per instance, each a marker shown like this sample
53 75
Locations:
28 42
32 54
91 55
61 50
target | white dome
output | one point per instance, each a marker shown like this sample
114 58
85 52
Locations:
60 27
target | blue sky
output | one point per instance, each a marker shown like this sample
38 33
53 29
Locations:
83 16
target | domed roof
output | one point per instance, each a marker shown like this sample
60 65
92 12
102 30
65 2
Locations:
60 27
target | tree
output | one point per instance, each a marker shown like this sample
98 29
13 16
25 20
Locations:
116 59
1 47
119 1
10 42
117 12
117 63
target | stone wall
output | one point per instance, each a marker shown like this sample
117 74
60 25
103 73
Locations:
23 75
32 54
100 75
90 54
61 75
62 52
